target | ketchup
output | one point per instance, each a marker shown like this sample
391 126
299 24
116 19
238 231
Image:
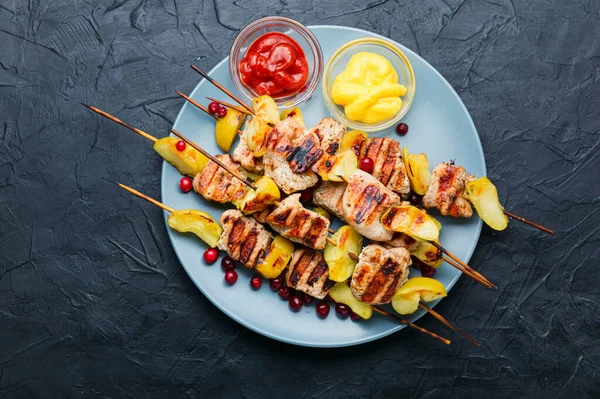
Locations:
274 65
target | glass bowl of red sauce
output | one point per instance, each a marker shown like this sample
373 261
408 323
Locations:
279 57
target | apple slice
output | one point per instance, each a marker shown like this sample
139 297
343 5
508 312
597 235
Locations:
407 298
196 222
483 195
341 293
188 162
411 220
340 265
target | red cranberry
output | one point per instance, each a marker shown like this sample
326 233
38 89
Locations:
402 129
222 112
255 282
427 271
367 164
275 283
342 310
295 303
214 107
322 309
284 292
185 184
227 263
231 277
306 195
307 299
355 317
211 255
180 146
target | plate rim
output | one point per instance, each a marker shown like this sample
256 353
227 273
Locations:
257 328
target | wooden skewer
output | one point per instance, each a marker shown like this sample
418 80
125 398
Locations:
223 89
412 325
229 105
529 222
149 199
120 122
447 323
481 281
215 160
435 314
203 108
384 312
463 264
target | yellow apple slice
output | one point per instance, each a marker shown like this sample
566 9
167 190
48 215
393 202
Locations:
196 222
188 162
340 265
341 293
483 195
411 220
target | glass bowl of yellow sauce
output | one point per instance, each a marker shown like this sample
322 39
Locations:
369 84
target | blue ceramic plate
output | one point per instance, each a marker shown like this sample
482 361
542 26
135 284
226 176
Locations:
440 126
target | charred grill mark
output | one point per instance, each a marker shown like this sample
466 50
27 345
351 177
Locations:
368 201
333 147
302 157
248 246
387 169
301 267
389 216
301 223
316 231
235 236
279 218
317 273
380 280
328 284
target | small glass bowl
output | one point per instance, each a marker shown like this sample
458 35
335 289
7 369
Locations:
300 33
337 63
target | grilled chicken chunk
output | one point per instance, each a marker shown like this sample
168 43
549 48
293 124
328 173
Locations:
401 240
293 221
329 195
330 134
282 139
216 184
245 156
446 191
308 272
304 153
389 167
379 273
364 201
243 238
261 216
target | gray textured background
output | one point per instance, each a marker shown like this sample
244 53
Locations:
93 301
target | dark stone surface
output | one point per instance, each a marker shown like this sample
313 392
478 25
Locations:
94 302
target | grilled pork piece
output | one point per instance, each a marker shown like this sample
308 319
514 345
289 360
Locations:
401 240
329 195
245 156
293 221
261 216
379 273
216 184
446 191
280 142
330 134
243 238
364 200
389 167
308 272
